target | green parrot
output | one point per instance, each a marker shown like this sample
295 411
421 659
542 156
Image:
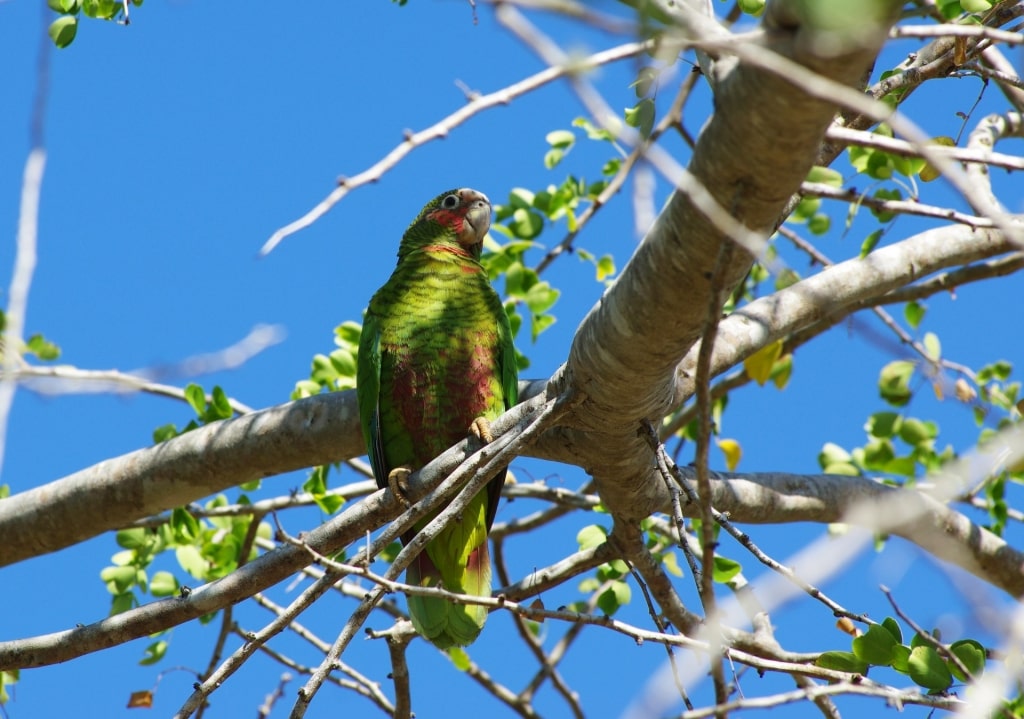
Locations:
436 362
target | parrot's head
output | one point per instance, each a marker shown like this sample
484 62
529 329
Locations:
462 215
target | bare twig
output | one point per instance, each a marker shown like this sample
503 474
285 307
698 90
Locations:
706 586
28 229
441 129
253 642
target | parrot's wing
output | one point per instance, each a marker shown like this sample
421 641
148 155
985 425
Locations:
509 369
368 383
509 365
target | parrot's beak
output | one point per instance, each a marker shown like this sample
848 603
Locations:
478 221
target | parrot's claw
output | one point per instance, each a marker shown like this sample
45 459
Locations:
398 483
481 429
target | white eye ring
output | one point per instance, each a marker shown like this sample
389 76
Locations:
450 202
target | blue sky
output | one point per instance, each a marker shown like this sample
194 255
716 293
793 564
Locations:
178 144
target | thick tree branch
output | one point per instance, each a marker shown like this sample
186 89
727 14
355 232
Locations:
837 288
751 157
118 491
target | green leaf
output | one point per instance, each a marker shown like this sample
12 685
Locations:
894 382
154 652
520 198
526 224
879 165
103 9
883 424
119 579
916 433
593 132
825 175
591 536
615 596
836 460
819 224
561 139
165 432
63 30
615 569
901 658
42 348
163 584
752 7
1000 370
841 662
605 267
927 669
184 526
971 654
541 297
918 641
641 116
875 646
932 346
132 538
976 5
725 569
122 603
220 407
884 215
552 157
914 311
870 242
902 466
539 323
805 209
645 80
877 452
192 561
196 398
329 503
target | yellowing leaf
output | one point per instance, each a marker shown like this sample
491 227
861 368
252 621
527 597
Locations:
759 365
928 172
141 700
844 624
732 451
671 564
964 392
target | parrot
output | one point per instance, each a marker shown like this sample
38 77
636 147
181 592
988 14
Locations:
436 362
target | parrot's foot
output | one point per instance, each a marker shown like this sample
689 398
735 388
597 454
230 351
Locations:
481 429
398 483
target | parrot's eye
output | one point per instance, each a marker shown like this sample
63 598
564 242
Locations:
450 202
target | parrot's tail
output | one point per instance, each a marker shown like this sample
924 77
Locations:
446 624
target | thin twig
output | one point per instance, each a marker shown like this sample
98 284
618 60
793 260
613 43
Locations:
706 586
744 539
254 642
28 231
441 129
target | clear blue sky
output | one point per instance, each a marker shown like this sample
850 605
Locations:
178 144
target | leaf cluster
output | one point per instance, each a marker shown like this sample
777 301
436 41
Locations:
64 29
927 666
